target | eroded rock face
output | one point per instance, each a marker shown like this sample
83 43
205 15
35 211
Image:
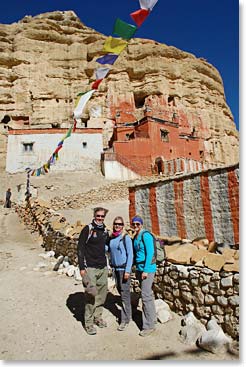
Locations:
46 60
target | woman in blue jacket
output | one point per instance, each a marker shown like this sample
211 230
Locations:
121 258
145 261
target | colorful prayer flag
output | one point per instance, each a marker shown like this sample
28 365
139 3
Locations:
114 45
107 59
147 4
77 113
123 29
96 83
68 133
74 125
101 73
139 16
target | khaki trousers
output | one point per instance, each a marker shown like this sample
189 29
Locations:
94 305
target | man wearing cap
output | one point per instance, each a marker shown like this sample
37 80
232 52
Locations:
143 245
93 269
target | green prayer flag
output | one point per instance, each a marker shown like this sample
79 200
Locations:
123 29
68 133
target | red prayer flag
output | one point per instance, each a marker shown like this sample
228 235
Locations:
96 84
57 149
74 125
139 16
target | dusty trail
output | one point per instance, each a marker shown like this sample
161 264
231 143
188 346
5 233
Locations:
41 313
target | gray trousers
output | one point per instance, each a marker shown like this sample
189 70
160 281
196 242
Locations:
94 305
149 312
123 288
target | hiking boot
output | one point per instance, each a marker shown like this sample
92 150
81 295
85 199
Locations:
100 323
146 332
122 326
91 330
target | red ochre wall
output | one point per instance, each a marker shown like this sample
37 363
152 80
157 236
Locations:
204 204
147 145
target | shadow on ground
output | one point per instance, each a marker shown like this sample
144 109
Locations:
76 304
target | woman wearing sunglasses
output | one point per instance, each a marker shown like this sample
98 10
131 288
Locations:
143 247
121 258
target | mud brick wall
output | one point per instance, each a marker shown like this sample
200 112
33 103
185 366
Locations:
204 204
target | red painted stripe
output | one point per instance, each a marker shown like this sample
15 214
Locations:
153 210
233 193
179 207
207 211
132 203
53 131
174 166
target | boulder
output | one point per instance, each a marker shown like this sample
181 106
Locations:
214 261
191 329
214 339
182 254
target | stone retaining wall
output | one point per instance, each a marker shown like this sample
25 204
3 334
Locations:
203 291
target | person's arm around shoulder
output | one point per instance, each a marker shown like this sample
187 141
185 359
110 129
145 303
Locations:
129 256
81 249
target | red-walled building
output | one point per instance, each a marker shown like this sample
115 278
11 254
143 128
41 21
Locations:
147 145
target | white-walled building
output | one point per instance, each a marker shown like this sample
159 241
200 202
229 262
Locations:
33 147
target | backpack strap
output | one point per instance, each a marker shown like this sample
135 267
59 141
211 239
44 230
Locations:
91 227
145 251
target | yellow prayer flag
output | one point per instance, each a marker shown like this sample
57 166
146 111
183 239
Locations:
114 45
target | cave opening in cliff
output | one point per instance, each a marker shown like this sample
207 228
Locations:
139 100
171 101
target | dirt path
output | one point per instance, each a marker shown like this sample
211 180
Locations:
41 313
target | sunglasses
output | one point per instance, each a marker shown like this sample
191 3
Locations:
118 224
100 216
136 224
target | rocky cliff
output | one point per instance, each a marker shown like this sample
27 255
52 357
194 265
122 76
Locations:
48 59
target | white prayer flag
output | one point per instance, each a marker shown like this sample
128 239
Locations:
147 4
77 113
101 73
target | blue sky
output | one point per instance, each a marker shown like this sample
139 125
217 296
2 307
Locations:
206 28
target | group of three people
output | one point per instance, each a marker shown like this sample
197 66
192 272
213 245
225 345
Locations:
94 242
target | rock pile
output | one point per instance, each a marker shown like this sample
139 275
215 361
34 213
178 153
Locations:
109 192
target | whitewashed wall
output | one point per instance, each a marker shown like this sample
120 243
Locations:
73 155
113 170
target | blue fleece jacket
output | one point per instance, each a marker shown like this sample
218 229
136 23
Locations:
119 255
144 255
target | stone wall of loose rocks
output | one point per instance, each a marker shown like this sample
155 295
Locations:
203 291
55 233
198 277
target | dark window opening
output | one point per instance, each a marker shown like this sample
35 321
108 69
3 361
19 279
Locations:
201 152
28 147
55 125
84 144
189 153
164 135
171 150
159 166
57 100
